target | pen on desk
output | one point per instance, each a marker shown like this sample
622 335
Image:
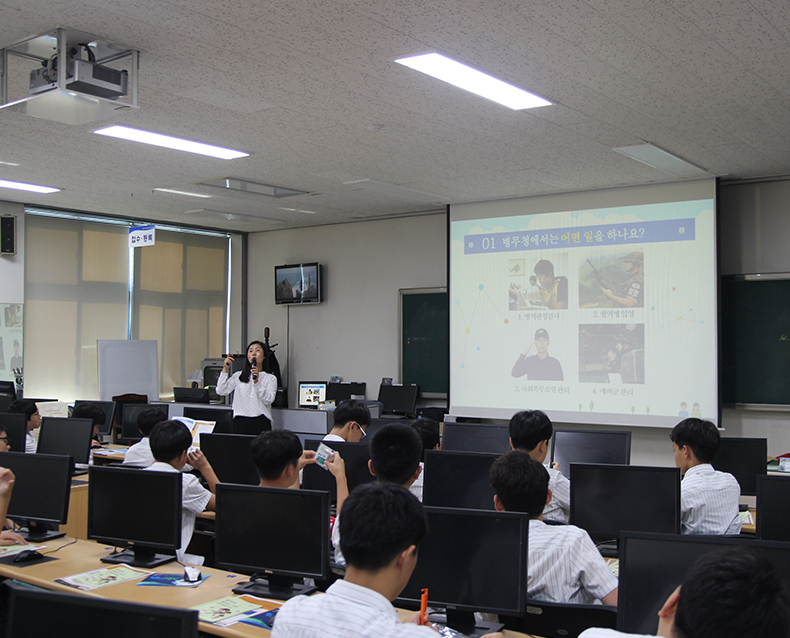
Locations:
423 605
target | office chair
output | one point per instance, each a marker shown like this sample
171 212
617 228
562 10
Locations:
560 620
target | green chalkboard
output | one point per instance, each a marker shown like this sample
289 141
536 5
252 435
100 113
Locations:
755 337
425 340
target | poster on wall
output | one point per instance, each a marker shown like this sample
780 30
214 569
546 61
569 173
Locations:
11 342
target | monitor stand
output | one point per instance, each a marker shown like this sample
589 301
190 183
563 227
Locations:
465 622
608 548
38 533
392 416
277 587
138 556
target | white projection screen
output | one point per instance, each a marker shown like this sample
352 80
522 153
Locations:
595 307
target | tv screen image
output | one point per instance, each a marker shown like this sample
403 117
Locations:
297 283
312 393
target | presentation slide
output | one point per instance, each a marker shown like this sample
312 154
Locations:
601 311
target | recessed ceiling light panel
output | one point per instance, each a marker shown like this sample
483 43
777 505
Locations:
256 188
33 188
662 160
166 141
472 80
168 190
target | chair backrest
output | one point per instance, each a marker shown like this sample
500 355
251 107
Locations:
561 620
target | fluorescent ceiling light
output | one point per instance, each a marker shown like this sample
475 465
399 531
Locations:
156 139
9 164
472 80
395 191
255 188
662 160
33 188
299 210
167 190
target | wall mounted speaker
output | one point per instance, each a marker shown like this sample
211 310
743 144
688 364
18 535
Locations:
7 235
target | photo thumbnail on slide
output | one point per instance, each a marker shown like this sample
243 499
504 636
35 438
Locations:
612 353
540 285
613 281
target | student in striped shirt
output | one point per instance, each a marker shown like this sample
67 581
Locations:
563 564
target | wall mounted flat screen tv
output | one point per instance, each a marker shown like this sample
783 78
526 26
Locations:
297 283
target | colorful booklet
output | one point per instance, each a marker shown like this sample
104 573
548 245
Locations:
169 580
10 550
103 577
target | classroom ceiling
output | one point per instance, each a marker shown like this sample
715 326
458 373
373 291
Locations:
309 88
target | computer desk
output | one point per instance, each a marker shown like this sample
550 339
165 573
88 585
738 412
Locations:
84 556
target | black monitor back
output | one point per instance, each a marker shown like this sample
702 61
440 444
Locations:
354 455
458 479
71 615
475 437
129 429
773 513
590 446
69 437
222 417
662 561
745 459
108 407
191 395
5 401
42 486
229 455
609 499
16 428
345 390
398 398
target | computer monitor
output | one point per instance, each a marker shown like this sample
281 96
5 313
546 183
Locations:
472 560
662 561
745 459
222 417
8 388
475 437
311 393
355 457
70 437
281 533
108 407
229 455
458 479
210 377
16 428
345 390
37 612
190 395
42 488
609 499
5 402
129 430
773 515
590 446
399 398
135 507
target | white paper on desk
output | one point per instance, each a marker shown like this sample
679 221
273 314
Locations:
106 452
87 581
10 550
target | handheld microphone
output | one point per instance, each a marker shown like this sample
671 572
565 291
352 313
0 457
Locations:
254 363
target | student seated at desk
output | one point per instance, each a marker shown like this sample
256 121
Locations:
730 593
428 431
170 442
563 565
140 455
531 430
395 452
93 412
351 419
30 410
7 479
382 527
708 498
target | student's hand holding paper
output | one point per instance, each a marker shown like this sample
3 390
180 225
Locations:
197 460
6 482
308 457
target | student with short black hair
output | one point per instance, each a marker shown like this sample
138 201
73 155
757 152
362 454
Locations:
428 431
88 410
382 527
170 443
5 445
278 457
30 410
531 430
708 498
728 593
564 565
351 420
139 454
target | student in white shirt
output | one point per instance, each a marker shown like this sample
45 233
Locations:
531 430
708 498
351 420
563 565
253 390
428 430
728 593
88 410
382 527
140 455
30 410
170 443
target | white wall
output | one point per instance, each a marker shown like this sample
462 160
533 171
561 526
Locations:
12 267
354 332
